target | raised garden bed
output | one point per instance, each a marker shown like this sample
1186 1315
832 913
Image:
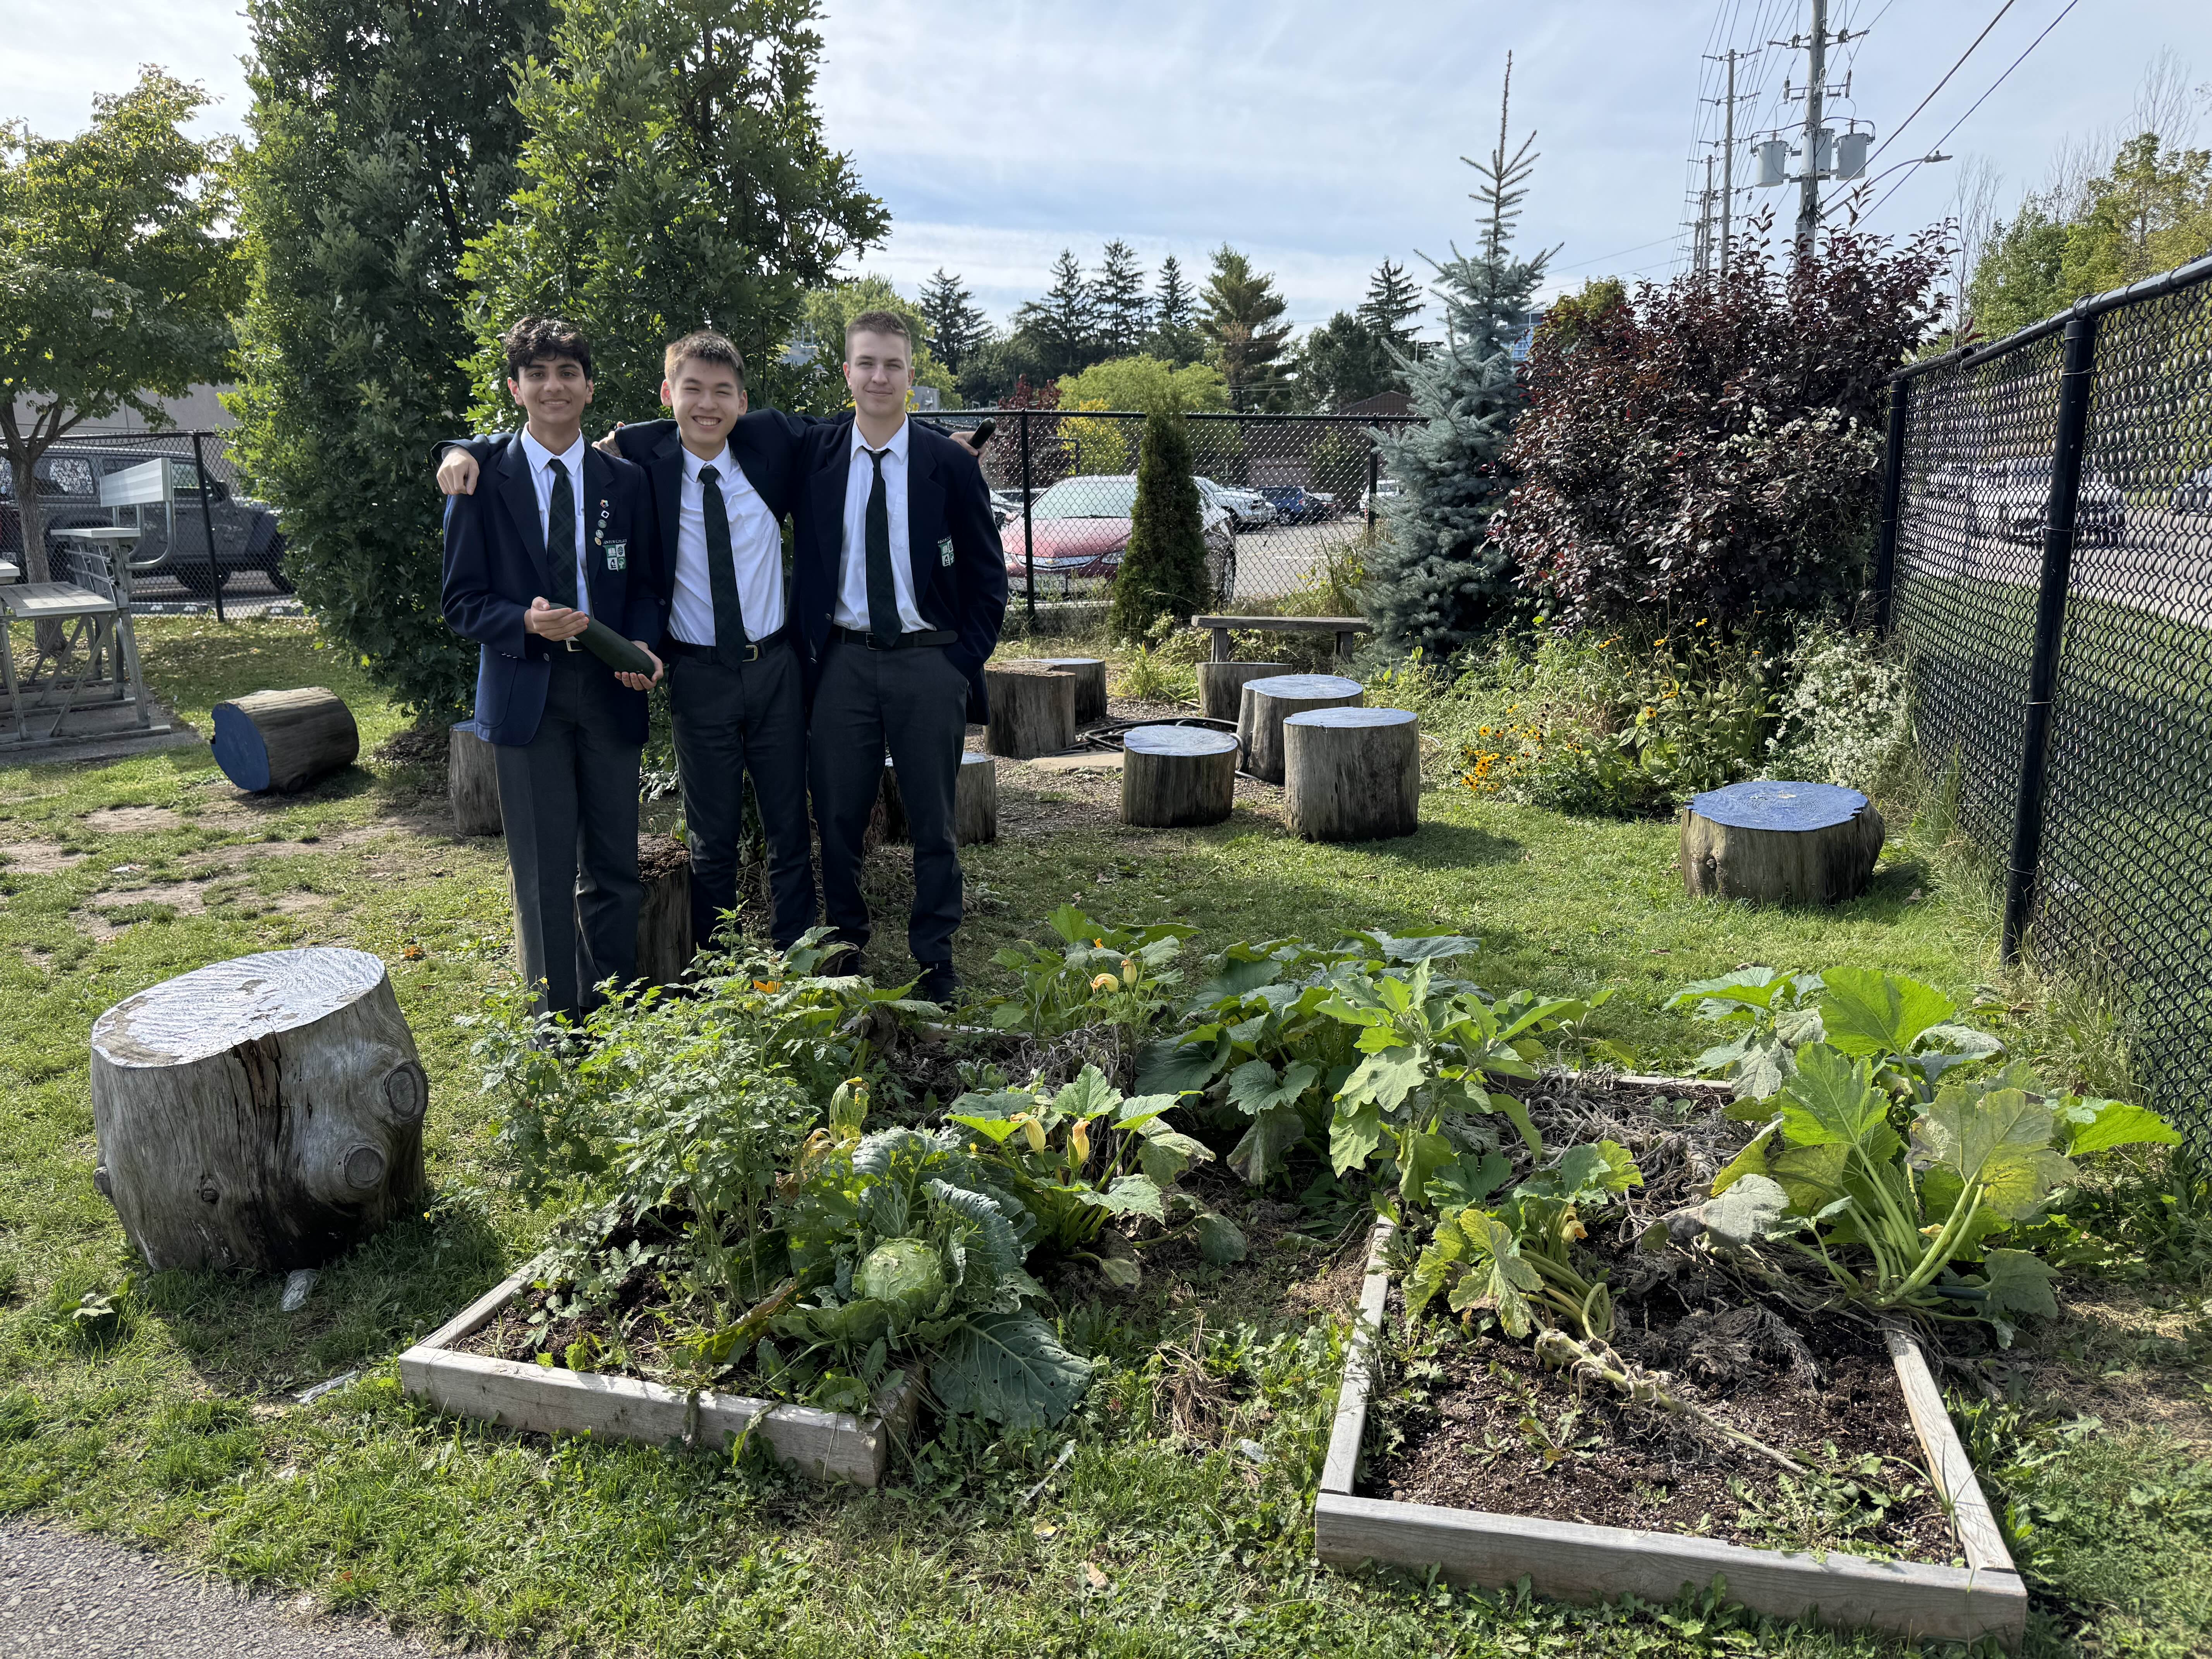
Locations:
551 1400
1577 1561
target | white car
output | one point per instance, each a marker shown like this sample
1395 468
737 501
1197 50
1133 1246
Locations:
1386 489
1248 509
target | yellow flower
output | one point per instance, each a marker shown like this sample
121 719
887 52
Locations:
1105 982
768 985
1032 1132
1079 1137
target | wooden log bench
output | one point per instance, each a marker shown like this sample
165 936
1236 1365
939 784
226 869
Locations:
1032 710
1352 774
1267 702
280 742
1775 842
1177 775
1346 629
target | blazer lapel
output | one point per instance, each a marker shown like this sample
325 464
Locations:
520 496
925 517
667 497
599 490
756 468
828 486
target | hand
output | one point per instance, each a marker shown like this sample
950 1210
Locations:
553 621
643 682
607 446
457 473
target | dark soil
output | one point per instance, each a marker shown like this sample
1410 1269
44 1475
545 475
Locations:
1472 1419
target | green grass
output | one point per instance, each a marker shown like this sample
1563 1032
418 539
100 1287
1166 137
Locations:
170 1423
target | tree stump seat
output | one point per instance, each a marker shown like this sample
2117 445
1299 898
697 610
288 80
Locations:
975 802
1221 685
1177 775
472 781
1351 773
1266 703
1775 841
1089 674
1032 710
280 742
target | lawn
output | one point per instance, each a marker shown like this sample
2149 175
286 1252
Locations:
173 1422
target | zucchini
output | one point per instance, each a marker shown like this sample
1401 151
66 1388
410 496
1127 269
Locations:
612 649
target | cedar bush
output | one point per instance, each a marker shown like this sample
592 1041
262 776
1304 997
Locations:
1163 570
1711 448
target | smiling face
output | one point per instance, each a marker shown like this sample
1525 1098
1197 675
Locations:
553 392
708 398
878 373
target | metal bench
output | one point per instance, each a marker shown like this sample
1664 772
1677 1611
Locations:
93 663
1345 629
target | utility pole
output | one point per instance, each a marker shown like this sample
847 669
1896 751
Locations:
1728 154
1808 188
1704 243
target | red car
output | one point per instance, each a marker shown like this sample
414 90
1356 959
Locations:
1082 526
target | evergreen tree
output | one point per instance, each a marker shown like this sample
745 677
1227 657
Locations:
956 326
378 152
1123 315
1440 578
1393 299
1062 328
1241 324
1162 572
674 178
1345 361
1175 335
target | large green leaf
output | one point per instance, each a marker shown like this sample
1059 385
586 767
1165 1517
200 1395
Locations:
1494 1275
1090 1095
1267 1146
1832 1101
1168 1067
1166 1153
1421 1155
1354 1132
1748 1210
1256 1086
1129 1195
1468 1180
1866 1012
1998 1137
2097 1125
1751 1160
1010 1368
1812 1176
1514 1111
1385 1078
1590 1171
1415 947
2020 1283
1220 1239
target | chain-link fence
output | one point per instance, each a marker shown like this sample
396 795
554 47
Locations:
212 549
1289 502
2047 557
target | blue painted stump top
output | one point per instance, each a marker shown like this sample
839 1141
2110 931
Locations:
1352 717
1303 685
1770 804
239 749
1178 740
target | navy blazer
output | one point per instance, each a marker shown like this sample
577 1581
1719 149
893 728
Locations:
959 567
495 564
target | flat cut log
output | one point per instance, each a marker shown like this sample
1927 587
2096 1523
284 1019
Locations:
1032 710
262 1113
1090 676
280 742
1221 685
1177 775
1776 843
1352 774
665 944
473 782
1267 702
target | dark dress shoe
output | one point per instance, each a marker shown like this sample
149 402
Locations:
939 984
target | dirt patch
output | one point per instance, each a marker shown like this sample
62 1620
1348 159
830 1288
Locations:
38 857
132 820
420 746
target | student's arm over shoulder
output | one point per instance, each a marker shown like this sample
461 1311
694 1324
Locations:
637 440
482 445
474 608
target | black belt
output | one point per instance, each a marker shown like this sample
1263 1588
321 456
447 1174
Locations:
673 647
920 636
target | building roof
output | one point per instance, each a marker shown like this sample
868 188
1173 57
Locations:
1382 402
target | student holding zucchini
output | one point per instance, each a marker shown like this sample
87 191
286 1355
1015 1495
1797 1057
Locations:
552 571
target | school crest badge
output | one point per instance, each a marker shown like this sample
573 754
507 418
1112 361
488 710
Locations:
617 556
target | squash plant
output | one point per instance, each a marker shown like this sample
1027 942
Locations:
1122 975
1084 1155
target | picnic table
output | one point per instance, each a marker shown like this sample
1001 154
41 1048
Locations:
95 665
1345 628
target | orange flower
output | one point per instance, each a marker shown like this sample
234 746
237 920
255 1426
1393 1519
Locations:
769 985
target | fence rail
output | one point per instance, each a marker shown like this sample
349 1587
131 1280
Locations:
2047 555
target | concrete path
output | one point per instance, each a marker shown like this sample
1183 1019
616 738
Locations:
63 1594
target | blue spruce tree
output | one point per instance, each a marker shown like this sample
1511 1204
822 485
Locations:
1440 579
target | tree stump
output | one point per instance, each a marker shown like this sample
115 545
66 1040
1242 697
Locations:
1353 774
1221 685
264 1112
1176 775
1090 676
1775 842
975 802
665 944
1032 710
283 741
1267 702
473 782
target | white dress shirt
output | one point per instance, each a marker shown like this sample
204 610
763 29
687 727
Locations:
852 610
541 479
756 549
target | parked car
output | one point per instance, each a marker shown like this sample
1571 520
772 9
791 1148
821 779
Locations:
1005 504
1386 489
247 536
1248 508
2193 493
1294 504
2011 498
1082 527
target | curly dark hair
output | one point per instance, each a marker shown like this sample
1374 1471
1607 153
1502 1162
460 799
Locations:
534 339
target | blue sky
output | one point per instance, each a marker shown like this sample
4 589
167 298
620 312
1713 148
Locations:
1319 137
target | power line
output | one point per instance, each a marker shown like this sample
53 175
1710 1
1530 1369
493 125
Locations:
1945 81
1586 263
1914 166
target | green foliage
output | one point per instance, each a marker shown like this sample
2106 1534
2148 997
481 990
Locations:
1240 320
117 274
955 326
1162 571
1846 716
378 152
673 177
1142 382
824 314
1174 338
1118 973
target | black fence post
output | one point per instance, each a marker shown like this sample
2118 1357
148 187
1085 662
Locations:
2074 380
207 519
1029 526
1892 491
1374 477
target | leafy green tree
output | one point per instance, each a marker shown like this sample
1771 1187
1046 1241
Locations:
1123 314
674 177
823 315
2021 277
1440 578
1141 382
117 274
1162 571
1345 361
1061 330
384 140
995 371
956 326
1174 334
1242 327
